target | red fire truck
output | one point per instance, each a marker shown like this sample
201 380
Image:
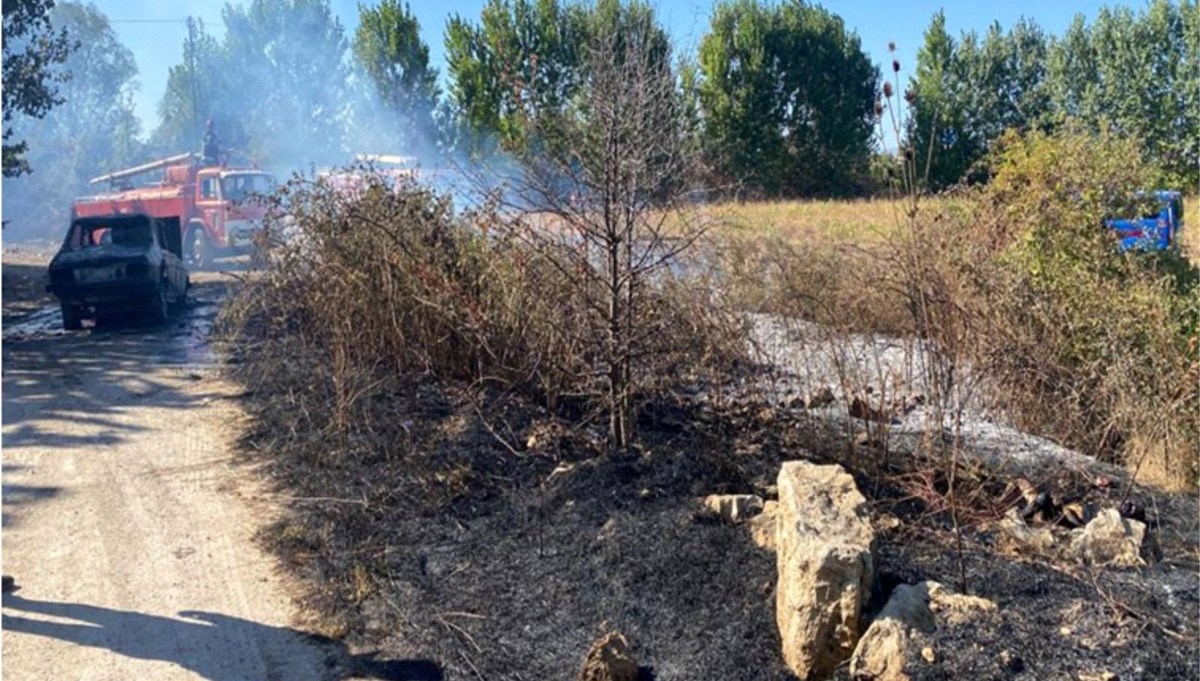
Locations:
214 206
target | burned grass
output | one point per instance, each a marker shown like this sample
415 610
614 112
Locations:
500 541
480 531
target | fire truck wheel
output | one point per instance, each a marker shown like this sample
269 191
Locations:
198 253
71 318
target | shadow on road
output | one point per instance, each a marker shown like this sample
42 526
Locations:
152 637
70 390
18 495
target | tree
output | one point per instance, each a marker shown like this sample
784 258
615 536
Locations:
938 135
1072 78
389 50
196 92
1147 71
968 92
1130 73
32 50
787 98
93 131
521 62
610 169
275 86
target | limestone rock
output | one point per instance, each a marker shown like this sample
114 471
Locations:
955 608
1026 538
1111 540
885 648
734 508
609 660
824 564
763 527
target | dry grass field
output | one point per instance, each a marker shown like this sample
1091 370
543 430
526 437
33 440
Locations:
867 221
861 221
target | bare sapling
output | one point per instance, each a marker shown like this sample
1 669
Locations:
600 195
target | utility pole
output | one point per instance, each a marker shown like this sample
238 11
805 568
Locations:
191 25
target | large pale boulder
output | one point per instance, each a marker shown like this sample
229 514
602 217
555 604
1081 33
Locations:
825 568
885 652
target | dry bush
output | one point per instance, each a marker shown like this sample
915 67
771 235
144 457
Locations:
845 286
366 285
1075 341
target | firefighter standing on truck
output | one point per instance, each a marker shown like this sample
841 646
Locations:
212 147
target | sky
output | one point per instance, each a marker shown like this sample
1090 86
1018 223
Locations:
155 31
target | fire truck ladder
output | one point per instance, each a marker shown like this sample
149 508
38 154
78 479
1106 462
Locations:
144 168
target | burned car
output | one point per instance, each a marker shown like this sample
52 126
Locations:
118 264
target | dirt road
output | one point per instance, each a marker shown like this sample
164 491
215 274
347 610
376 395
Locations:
126 524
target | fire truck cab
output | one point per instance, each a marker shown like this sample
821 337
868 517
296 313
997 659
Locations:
215 207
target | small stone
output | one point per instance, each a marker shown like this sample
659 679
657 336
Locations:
1064 631
1009 661
645 493
887 521
927 653
1098 676
609 660
734 508
607 530
1037 540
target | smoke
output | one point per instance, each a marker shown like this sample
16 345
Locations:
282 86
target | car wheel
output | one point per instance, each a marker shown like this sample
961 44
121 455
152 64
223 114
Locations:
197 251
181 299
71 318
160 308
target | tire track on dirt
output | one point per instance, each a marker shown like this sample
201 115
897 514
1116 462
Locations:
128 527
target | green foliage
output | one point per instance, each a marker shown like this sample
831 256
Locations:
521 61
515 74
1137 74
32 51
275 85
1134 74
1087 344
92 131
786 95
970 91
388 48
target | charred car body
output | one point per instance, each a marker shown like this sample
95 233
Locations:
118 264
